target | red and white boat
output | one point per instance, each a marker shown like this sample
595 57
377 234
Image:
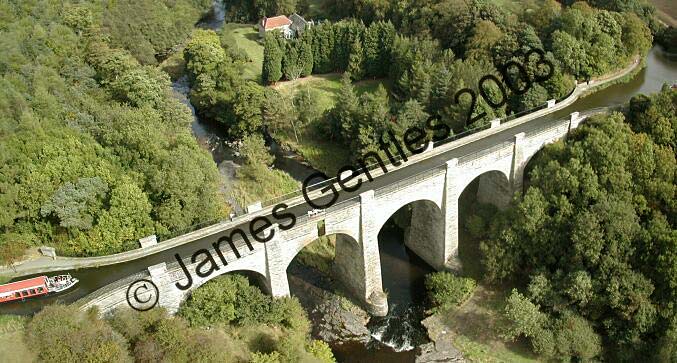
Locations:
36 286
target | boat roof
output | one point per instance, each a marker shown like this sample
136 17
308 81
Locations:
24 284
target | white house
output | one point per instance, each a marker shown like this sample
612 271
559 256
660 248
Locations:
290 27
280 22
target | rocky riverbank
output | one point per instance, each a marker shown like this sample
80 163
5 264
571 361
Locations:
335 319
441 348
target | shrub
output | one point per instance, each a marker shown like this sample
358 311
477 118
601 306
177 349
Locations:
231 300
575 337
321 350
65 334
445 290
273 357
523 316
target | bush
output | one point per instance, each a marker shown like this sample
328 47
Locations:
321 351
523 317
273 357
445 290
231 300
65 334
575 337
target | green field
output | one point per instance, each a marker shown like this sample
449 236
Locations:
247 39
12 345
321 153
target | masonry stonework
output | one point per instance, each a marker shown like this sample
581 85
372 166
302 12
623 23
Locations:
433 235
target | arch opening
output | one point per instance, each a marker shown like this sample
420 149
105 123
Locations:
413 235
326 265
253 277
478 204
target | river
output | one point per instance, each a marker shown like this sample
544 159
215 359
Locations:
402 271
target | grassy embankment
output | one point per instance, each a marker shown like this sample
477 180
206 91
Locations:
320 153
12 346
666 11
325 155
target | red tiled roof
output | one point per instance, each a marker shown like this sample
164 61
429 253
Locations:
275 22
25 284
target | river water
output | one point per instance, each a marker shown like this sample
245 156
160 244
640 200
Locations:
396 334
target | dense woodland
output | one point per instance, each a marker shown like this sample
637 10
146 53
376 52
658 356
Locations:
95 151
594 239
428 64
227 320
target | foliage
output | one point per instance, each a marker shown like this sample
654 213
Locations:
96 151
147 28
667 38
570 336
445 290
256 180
246 11
591 42
330 47
656 115
231 300
319 254
595 231
64 334
321 351
219 92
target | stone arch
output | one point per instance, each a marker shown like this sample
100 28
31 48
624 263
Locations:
348 266
296 248
252 275
494 187
425 233
404 200
490 187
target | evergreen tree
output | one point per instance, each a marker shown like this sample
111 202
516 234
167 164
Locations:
272 58
306 56
356 60
291 66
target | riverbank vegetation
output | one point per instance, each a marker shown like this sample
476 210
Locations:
226 320
430 61
592 244
95 151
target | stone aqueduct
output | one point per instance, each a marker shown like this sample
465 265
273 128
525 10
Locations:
433 235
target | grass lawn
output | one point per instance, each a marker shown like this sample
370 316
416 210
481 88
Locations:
246 38
326 87
475 326
12 345
323 154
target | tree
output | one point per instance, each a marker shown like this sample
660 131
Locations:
272 58
80 337
307 106
291 63
306 55
278 111
254 151
486 35
247 109
356 61
593 232
410 115
75 205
